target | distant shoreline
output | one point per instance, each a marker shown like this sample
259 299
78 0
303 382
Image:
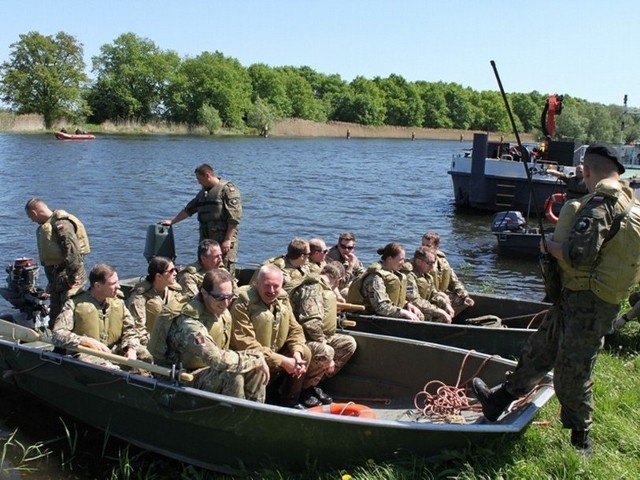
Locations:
292 127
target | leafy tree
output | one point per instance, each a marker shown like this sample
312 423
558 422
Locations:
269 85
131 75
571 124
402 101
524 107
210 118
303 101
459 105
490 113
436 113
45 75
261 115
210 78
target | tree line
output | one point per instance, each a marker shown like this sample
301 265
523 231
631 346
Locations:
136 81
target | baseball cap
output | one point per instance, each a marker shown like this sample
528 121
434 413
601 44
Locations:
606 151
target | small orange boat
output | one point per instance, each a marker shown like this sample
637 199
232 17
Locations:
74 136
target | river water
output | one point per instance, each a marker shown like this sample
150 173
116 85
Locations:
382 190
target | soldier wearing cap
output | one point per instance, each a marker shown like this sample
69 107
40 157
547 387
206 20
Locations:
219 209
598 260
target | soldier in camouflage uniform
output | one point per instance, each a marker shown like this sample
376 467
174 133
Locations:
209 257
344 252
219 209
317 255
382 288
263 320
598 260
314 305
421 292
198 338
294 265
99 319
444 278
149 297
62 245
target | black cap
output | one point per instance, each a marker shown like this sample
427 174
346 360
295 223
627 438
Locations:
606 151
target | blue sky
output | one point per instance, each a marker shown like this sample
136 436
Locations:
587 49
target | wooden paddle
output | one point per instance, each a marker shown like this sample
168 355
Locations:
25 334
350 307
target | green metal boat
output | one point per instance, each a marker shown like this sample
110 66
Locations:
231 435
519 319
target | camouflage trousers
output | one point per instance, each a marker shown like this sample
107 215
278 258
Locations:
568 341
249 385
338 348
58 290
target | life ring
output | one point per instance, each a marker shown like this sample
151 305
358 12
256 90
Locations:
348 409
548 206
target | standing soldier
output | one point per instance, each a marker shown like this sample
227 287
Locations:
198 338
598 260
62 245
219 209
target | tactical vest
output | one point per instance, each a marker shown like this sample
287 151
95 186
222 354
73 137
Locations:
395 285
48 244
329 304
425 286
154 303
441 275
89 321
613 273
271 329
211 203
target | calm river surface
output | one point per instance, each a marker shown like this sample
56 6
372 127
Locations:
382 190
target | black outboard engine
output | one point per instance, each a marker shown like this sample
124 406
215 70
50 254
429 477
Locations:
508 221
23 293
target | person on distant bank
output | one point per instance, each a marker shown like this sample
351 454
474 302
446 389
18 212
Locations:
62 244
98 319
444 278
219 209
382 288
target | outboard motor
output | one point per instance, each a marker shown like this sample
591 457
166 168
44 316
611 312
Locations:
160 242
23 292
508 221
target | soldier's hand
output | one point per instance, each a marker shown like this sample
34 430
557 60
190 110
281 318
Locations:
619 322
94 344
264 368
165 222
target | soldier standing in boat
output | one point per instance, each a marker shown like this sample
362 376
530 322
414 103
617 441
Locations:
219 209
62 245
598 261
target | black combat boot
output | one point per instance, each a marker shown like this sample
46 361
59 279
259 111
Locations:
320 395
494 401
581 441
290 393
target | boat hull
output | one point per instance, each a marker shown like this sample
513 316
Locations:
520 317
232 435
